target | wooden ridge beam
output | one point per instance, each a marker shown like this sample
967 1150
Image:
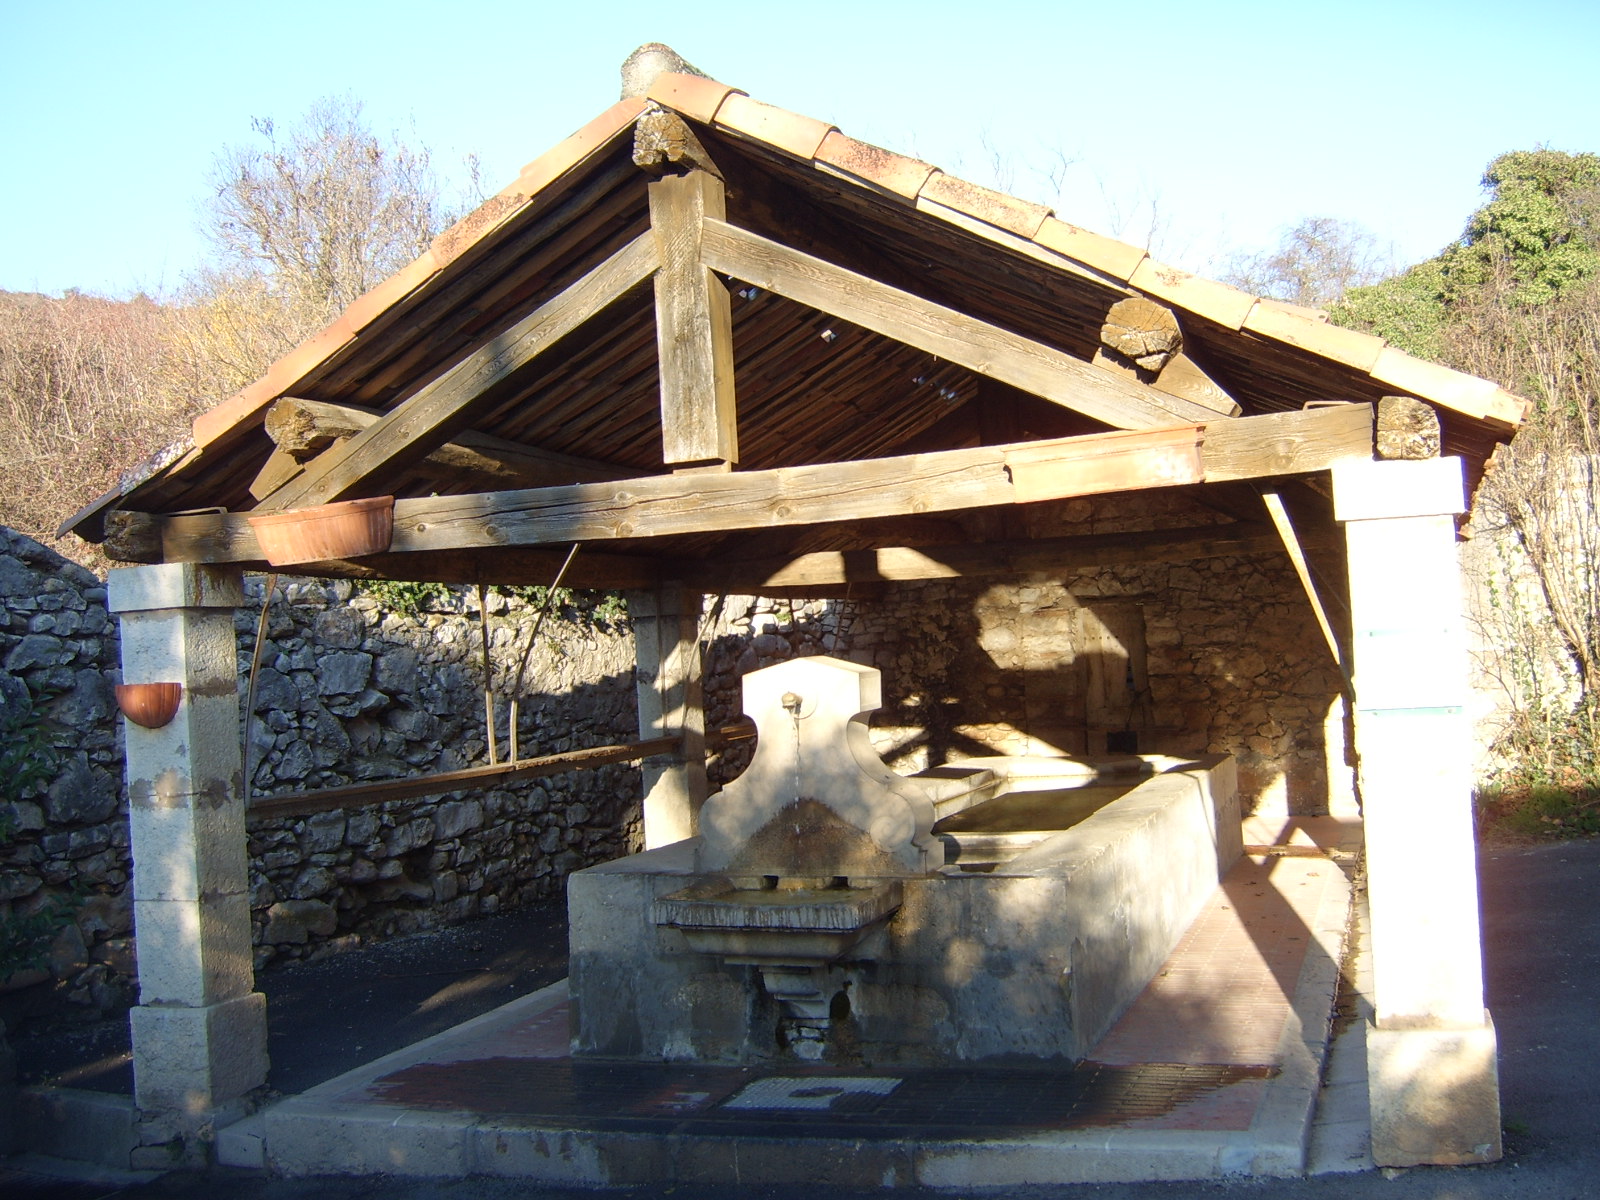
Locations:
303 428
906 564
432 416
942 481
987 349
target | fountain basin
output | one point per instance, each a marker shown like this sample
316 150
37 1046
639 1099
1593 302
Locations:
799 926
1031 957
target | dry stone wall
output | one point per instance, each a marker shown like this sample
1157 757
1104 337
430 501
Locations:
347 692
1213 656
64 857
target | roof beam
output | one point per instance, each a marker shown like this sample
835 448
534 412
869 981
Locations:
304 428
987 349
944 481
694 325
423 422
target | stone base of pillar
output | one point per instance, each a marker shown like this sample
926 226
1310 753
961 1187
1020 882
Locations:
1435 1096
191 1061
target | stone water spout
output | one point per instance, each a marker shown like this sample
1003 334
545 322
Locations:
816 799
801 857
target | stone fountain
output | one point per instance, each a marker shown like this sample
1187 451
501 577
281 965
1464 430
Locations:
999 908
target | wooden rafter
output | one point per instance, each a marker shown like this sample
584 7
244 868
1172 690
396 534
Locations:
432 416
667 505
977 345
1294 546
305 428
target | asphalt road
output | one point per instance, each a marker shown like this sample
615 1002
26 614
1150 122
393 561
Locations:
1541 909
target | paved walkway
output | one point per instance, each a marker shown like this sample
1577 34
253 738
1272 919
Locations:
1214 1071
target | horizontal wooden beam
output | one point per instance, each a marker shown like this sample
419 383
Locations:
304 428
907 564
941 481
435 414
299 804
977 345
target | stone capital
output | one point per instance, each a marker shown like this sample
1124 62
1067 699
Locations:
173 585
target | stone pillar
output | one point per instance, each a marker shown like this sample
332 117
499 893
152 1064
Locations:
199 1030
1431 1052
667 656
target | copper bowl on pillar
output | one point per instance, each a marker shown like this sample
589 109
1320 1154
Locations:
149 704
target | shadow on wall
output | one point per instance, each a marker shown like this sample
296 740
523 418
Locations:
1217 657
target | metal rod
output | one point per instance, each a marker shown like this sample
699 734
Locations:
488 675
527 653
255 671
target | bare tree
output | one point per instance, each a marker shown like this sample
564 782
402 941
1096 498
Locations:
1539 510
302 223
87 387
325 210
1314 263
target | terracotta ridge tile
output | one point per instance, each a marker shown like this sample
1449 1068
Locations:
374 302
692 96
1219 302
1117 259
1294 327
575 147
249 406
790 132
1021 217
873 165
1482 399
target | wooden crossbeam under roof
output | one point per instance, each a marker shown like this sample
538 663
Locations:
1222 450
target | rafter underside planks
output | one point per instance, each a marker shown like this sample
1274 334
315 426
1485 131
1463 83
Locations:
426 420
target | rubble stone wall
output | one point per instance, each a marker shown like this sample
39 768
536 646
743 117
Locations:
347 692
1212 656
350 692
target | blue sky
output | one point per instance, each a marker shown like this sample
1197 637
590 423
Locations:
1206 127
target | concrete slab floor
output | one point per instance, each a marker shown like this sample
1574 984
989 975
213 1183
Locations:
1213 1072
1542 948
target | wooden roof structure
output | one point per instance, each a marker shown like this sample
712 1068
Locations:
719 342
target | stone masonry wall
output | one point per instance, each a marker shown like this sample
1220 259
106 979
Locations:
67 846
347 692
1219 655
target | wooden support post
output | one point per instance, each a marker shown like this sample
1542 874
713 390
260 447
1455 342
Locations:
667 657
1297 556
694 325
1431 1071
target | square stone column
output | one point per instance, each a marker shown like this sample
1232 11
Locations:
199 1030
667 679
1431 1063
